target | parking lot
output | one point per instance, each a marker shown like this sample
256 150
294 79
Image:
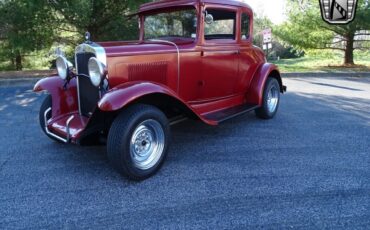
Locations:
309 167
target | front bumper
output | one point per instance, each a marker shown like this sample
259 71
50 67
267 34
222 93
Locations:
67 128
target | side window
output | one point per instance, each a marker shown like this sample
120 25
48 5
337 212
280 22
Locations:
220 24
245 30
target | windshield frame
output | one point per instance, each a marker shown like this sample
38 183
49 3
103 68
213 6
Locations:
142 17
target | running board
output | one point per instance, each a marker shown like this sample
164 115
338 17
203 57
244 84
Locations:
226 114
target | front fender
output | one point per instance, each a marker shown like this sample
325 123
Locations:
64 100
127 93
255 92
48 84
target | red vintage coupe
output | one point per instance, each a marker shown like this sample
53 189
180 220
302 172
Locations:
194 59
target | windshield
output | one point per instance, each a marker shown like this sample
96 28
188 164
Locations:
174 24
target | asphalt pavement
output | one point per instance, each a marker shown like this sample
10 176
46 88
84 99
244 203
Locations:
307 168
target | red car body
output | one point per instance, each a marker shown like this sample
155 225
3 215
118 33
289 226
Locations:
209 80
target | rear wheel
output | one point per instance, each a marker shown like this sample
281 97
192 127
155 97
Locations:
270 101
138 141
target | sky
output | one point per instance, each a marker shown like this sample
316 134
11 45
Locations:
273 9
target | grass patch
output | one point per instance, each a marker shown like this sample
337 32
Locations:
324 63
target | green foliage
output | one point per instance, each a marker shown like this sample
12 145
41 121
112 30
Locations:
279 49
104 19
31 28
25 24
25 27
305 28
324 61
259 24
283 51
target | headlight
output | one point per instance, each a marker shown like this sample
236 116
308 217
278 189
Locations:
96 71
63 67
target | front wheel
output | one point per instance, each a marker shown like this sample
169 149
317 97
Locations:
138 141
270 101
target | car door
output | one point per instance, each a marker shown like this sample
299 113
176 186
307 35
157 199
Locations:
248 58
220 55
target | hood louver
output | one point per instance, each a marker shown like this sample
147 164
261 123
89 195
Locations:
154 71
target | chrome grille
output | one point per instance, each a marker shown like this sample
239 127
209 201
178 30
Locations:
88 94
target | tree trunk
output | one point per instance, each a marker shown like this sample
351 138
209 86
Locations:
348 53
18 61
12 61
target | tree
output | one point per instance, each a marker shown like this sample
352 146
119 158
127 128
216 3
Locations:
306 29
25 27
28 26
104 19
278 49
259 24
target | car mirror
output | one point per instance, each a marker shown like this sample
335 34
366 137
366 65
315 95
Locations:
208 18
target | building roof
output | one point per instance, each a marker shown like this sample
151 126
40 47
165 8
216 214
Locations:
171 3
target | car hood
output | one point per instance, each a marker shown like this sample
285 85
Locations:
115 49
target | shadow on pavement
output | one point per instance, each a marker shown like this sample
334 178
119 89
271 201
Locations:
307 167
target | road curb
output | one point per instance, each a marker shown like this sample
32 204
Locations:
333 74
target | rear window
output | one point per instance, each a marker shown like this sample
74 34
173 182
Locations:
245 30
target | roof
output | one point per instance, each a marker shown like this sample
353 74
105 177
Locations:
171 3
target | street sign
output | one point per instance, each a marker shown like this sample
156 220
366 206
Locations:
267 40
267 46
267 36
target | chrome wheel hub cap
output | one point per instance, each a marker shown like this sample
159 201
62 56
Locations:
272 99
147 144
